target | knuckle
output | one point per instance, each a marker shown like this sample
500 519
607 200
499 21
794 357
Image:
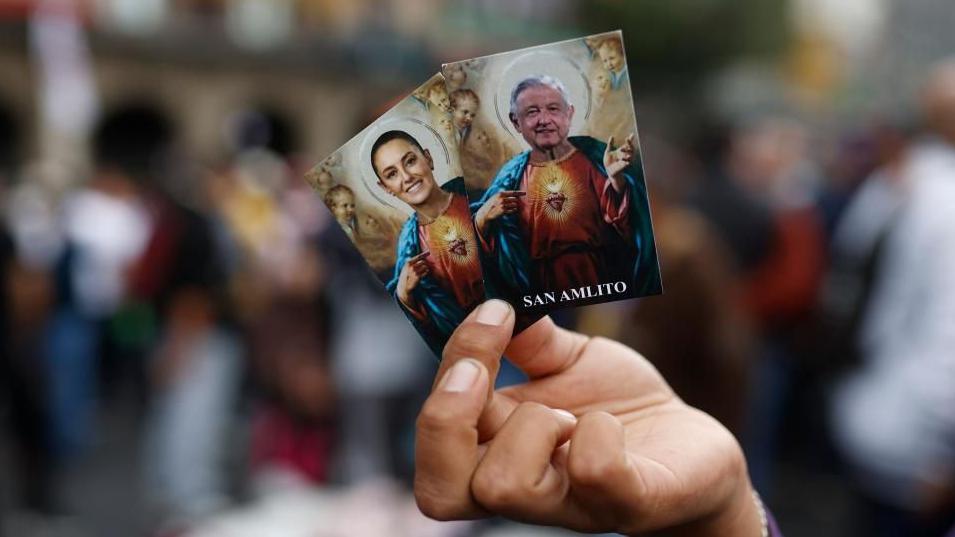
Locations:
498 491
596 469
436 507
532 410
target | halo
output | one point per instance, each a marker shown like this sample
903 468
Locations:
421 131
544 62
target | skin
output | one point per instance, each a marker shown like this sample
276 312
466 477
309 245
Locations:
595 441
543 118
464 112
407 173
601 83
343 207
456 76
611 56
447 127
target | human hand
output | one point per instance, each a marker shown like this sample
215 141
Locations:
501 203
413 270
631 457
617 159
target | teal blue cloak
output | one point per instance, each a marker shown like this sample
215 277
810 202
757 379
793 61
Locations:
444 313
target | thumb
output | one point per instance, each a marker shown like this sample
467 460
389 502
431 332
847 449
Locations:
609 147
482 336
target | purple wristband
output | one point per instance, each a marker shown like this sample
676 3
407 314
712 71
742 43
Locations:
773 527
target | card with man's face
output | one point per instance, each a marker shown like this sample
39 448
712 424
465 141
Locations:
397 190
548 147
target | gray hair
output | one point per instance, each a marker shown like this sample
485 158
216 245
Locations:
538 81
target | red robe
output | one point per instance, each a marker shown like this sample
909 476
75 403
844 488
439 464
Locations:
573 221
454 260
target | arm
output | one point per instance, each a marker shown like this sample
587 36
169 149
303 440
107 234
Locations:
410 276
614 192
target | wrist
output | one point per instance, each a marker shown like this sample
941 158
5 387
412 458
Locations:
405 298
742 516
617 182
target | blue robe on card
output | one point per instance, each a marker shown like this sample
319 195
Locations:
444 313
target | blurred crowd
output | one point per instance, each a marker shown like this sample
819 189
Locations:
264 383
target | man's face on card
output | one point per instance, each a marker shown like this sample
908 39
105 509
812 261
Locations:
542 117
405 171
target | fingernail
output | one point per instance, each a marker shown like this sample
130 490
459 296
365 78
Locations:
461 376
565 414
493 312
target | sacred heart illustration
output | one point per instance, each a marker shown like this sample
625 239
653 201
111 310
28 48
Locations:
458 246
556 200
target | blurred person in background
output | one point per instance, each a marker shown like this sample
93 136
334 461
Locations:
763 202
167 331
892 416
696 334
293 429
26 301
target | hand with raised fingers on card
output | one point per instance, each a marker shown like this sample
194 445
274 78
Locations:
616 159
501 203
595 441
410 276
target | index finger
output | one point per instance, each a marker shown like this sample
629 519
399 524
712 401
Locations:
419 257
512 193
446 443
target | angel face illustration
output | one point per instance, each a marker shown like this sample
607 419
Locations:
601 83
483 140
325 179
464 107
341 200
456 76
446 127
370 225
438 97
611 55
335 159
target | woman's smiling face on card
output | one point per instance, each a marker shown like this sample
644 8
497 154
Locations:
405 171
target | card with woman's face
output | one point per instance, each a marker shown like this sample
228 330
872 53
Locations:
548 147
396 189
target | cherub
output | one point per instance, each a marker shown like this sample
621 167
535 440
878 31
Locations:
333 160
601 85
446 127
464 108
455 75
341 201
321 179
437 96
610 52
